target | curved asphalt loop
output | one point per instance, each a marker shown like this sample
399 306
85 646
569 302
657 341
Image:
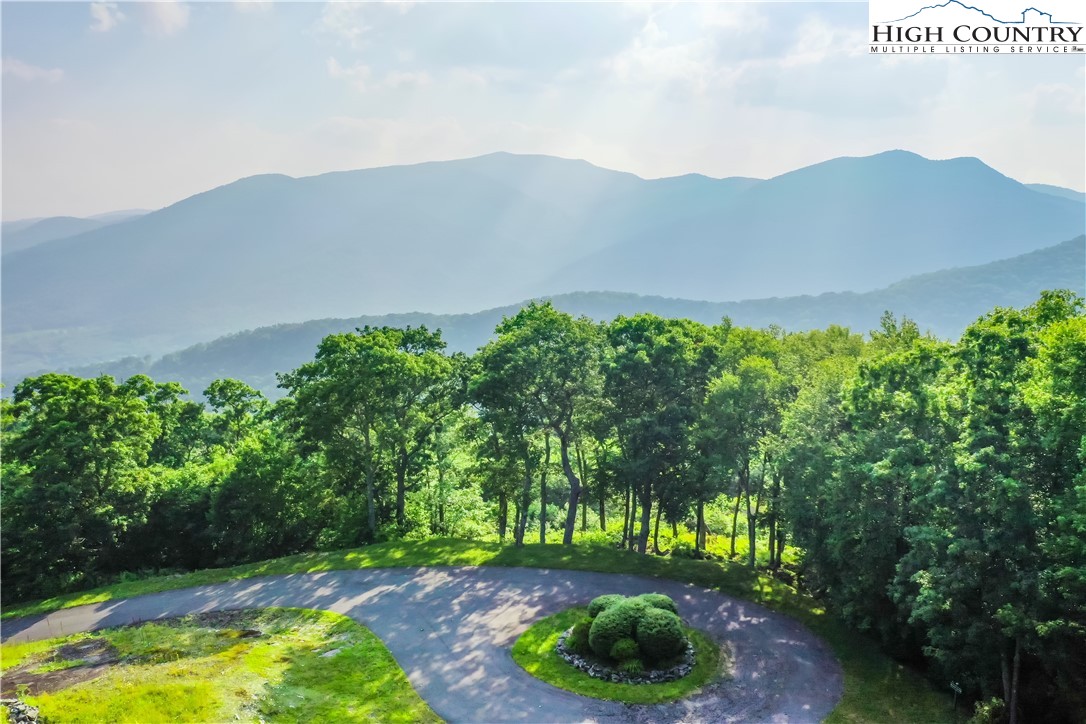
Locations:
451 629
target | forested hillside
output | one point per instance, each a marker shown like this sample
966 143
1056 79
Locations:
932 493
943 303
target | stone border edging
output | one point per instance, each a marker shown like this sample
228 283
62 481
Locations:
615 676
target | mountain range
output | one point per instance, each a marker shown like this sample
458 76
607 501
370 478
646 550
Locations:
850 223
480 233
943 303
23 234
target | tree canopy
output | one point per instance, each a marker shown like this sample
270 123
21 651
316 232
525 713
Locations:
931 493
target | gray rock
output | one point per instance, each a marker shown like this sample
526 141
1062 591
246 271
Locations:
678 671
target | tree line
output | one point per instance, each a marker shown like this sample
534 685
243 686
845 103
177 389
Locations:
932 493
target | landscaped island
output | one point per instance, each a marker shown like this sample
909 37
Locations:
634 649
637 640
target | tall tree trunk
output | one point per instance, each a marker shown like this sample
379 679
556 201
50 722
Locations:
771 513
780 545
752 541
735 518
371 473
626 516
656 531
503 515
518 534
524 511
699 533
543 487
752 515
646 518
772 542
582 468
1017 666
574 491
401 487
1005 670
441 498
601 492
774 503
525 500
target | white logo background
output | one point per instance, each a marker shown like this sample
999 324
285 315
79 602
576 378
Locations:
948 12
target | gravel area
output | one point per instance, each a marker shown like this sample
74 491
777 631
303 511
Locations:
451 630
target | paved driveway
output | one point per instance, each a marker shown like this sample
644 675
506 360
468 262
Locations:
451 630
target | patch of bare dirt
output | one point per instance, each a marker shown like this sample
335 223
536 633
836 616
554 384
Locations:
89 660
92 658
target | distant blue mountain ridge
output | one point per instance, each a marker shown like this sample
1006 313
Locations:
485 232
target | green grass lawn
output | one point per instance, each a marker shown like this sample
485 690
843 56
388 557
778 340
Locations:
194 670
535 652
877 689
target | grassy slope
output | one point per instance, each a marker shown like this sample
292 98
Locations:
876 688
188 671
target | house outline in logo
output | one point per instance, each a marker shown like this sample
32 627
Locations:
988 15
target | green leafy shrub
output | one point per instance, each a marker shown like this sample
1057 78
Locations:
682 549
625 649
660 635
600 603
659 600
633 666
618 621
991 711
577 641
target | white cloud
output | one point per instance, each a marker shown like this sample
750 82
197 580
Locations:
685 47
105 16
818 40
344 21
406 79
358 74
402 6
1054 103
30 73
252 6
655 59
735 16
363 79
166 18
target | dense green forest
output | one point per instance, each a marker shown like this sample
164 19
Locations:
933 494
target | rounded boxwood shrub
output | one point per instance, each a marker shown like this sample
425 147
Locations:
577 641
625 649
659 600
613 623
660 635
599 603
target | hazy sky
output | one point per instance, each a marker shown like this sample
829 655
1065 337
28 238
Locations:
112 106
